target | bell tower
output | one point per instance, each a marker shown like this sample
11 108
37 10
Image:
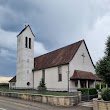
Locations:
25 59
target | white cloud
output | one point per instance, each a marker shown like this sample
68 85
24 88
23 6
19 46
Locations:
4 79
8 40
39 49
8 43
96 37
59 22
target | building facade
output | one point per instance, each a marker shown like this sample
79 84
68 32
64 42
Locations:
64 69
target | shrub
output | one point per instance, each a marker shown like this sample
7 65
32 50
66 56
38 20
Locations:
106 95
42 86
103 85
4 85
88 93
91 91
97 86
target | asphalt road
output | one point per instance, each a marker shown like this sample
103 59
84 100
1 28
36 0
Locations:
17 104
6 105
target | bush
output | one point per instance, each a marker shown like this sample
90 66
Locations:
4 85
42 86
91 91
106 95
88 93
103 85
97 86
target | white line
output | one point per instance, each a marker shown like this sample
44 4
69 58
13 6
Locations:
2 109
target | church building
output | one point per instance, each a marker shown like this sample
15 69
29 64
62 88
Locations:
65 69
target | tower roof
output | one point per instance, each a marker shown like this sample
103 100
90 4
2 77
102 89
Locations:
25 29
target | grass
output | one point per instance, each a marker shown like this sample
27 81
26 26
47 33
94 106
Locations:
36 92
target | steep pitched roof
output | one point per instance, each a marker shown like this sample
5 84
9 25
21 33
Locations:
57 57
13 79
25 29
78 74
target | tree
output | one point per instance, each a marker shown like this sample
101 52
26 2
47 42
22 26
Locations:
103 65
42 86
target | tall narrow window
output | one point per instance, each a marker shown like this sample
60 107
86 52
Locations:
43 74
30 43
26 42
59 73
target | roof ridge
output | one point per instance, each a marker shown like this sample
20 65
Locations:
60 48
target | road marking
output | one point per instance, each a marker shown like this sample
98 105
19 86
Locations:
2 109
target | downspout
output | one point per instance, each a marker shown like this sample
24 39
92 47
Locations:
33 79
68 77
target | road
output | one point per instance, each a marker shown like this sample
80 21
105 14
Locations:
17 104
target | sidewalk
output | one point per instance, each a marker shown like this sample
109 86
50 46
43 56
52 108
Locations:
86 104
43 106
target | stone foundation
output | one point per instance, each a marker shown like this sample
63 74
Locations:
101 105
65 101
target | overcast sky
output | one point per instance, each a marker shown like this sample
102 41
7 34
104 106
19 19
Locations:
55 23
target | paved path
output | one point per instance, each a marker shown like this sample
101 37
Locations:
86 104
17 104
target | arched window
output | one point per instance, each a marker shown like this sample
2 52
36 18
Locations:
28 83
30 43
26 42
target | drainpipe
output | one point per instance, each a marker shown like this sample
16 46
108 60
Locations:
33 79
68 77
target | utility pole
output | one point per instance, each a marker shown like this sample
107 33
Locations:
68 77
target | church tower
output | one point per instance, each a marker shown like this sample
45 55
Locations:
25 59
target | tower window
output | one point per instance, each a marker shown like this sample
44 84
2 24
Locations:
26 42
28 83
30 43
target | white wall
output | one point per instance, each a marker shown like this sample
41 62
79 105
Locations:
51 78
23 54
12 85
77 63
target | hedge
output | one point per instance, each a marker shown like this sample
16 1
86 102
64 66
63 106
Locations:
4 85
90 91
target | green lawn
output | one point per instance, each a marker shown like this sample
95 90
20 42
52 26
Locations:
36 92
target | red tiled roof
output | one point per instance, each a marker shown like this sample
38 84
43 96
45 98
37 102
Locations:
13 79
57 57
84 75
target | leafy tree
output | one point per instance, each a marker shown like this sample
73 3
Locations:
42 86
103 65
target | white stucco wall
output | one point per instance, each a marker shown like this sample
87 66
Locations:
77 63
23 67
51 78
12 85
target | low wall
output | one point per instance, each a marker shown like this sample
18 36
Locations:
101 105
48 99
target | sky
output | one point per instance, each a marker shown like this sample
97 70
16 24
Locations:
55 23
